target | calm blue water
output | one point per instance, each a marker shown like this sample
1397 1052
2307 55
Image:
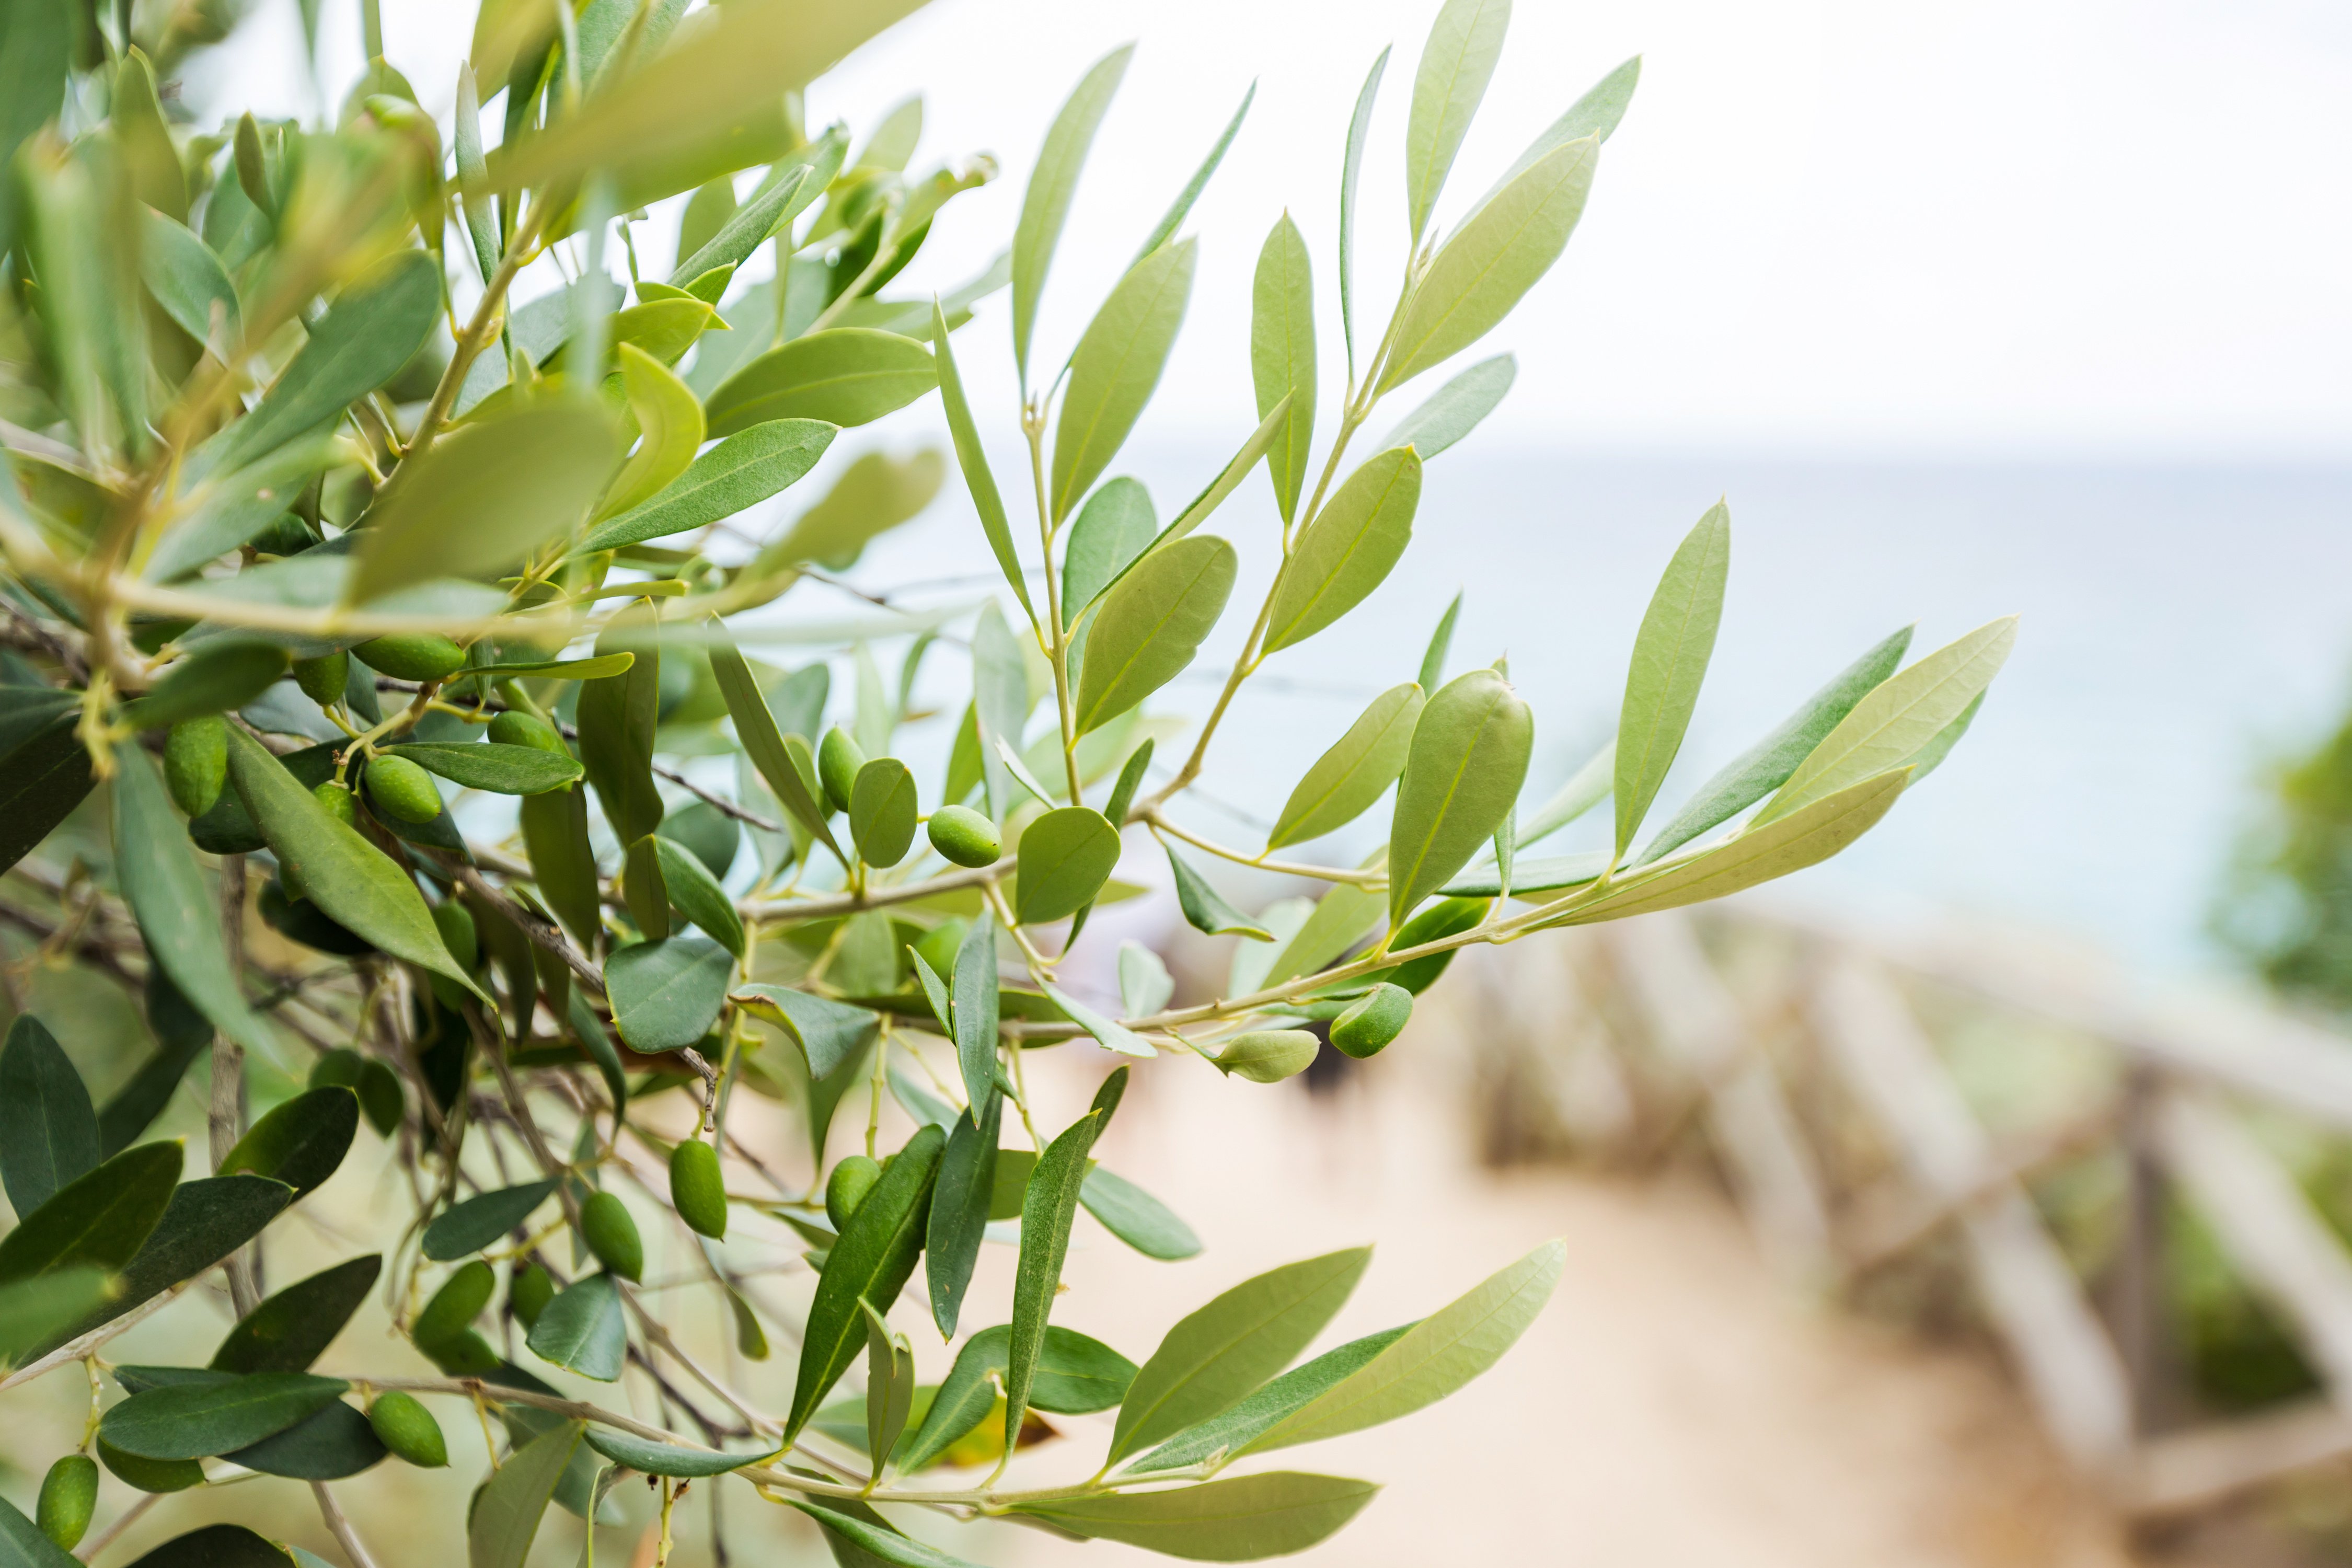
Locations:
2181 625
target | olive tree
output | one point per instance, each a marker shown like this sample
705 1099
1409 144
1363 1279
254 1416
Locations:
318 539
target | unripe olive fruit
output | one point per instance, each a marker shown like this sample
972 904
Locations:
195 762
403 789
1376 1018
455 1306
1268 1056
421 655
336 801
847 1188
69 1494
612 1235
323 679
963 836
150 1475
517 729
529 1292
403 1425
696 1188
455 923
837 762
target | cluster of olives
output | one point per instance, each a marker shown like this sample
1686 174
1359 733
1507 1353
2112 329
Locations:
962 835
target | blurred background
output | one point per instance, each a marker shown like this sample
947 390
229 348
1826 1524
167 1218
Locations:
1966 310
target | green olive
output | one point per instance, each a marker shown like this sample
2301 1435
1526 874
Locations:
195 762
422 655
336 801
696 1188
529 1292
455 923
847 1188
1268 1056
324 679
454 1307
940 944
517 729
408 1429
68 1495
612 1235
964 837
403 789
837 762
1377 1017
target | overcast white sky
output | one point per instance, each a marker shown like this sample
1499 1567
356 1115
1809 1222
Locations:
2040 226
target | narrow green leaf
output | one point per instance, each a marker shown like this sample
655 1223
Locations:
485 496
972 459
1228 1348
859 1536
1890 725
215 679
1238 1520
1108 1033
1349 548
844 375
1173 218
700 897
1461 779
666 994
1359 129
1766 766
42 778
1492 260
976 1001
505 1516
234 507
889 1386
668 418
489 765
1138 1218
374 326
1196 511
1206 909
1222 1436
675 1459
1076 1375
335 1443
346 877
99 1219
771 207
874 494
1282 356
1116 367
1587 787
1112 531
293 1328
1151 625
1430 1359
477 1222
301 1141
737 474
617 716
872 1260
195 1421
1357 771
555 832
1669 665
48 1130
1596 114
189 281
1046 206
1047 1209
830 1034
755 727
221 1546
1548 873
1065 857
959 1214
466 138
204 1221
1456 65
1931 757
583 1329
37 1312
1455 409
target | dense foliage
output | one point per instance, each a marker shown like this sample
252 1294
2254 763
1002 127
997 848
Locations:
360 611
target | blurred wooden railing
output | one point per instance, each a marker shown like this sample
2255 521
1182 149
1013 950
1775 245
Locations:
1663 1000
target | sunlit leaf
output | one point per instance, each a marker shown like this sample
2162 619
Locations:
1669 665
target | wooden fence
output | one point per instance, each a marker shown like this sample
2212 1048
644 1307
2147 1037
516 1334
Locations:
1739 1023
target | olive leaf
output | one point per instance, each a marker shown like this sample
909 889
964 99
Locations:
1115 368
1669 665
1047 206
871 1261
374 326
977 998
474 1222
882 811
583 1330
1359 129
189 281
1455 409
845 375
959 1214
1206 909
972 458
1047 1209
671 423
1138 1218
666 994
294 1327
1357 771
1464 43
48 1130
1238 1519
300 1142
1349 548
1282 355
1469 759
738 473
489 765
500 1528
1065 857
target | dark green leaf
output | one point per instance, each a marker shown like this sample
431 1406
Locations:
1347 550
333 1444
215 679
22 1542
205 1222
889 1386
474 1224
1670 658
737 474
1282 356
300 1143
346 877
1469 757
181 1034
959 1205
372 329
1065 857
1115 368
486 764
1138 1218
775 203
1151 624
1235 1520
1222 1352
1075 1375
873 1259
667 1458
845 376
507 1514
1204 908
829 1033
1052 184
98 1219
195 1421
1047 1209
177 912
34 1312
48 1133
189 281
616 717
1357 771
1455 409
870 1537
666 994
755 727
1222 1436
42 778
582 1330
293 1328
1766 766
976 994
698 896
219 1546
